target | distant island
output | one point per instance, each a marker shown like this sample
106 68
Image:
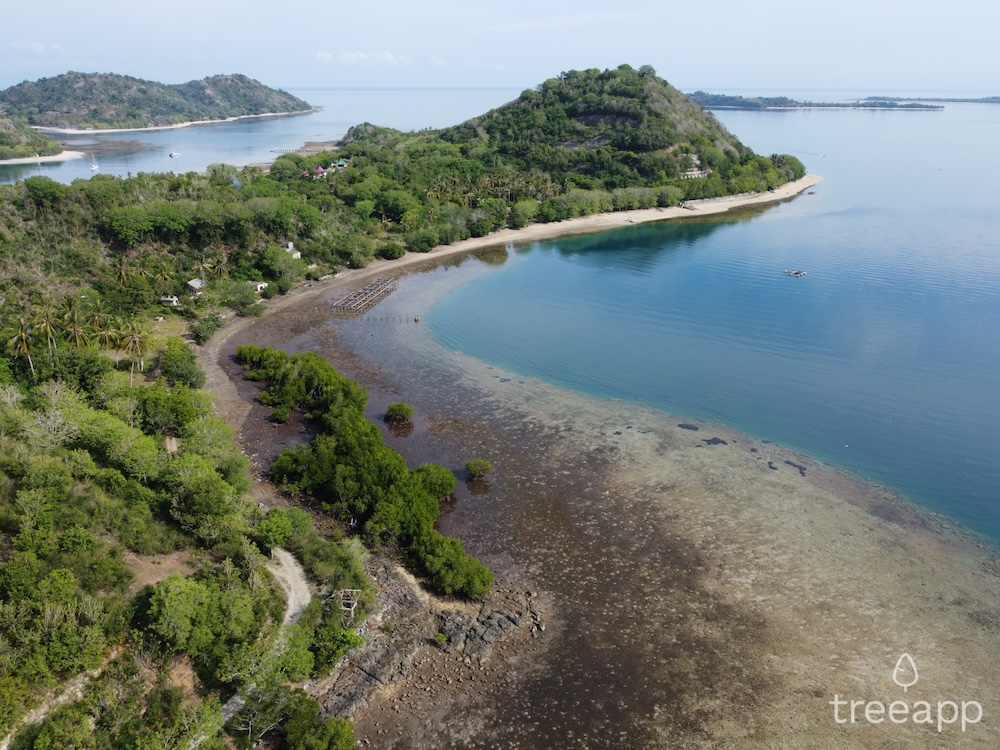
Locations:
726 101
105 101
980 100
18 141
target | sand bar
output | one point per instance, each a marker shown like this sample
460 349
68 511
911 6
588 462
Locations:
64 156
93 131
235 409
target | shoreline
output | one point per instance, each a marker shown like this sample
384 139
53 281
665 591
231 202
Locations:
533 232
188 124
62 156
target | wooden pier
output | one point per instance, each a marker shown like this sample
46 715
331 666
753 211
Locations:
364 299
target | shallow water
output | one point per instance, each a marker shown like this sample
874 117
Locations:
695 596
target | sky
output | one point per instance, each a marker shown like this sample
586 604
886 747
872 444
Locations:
885 46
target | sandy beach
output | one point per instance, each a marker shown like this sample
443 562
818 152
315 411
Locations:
92 131
702 588
530 233
64 156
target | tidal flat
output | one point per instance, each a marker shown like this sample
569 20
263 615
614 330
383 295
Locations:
702 588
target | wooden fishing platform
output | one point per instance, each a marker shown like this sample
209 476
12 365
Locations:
364 299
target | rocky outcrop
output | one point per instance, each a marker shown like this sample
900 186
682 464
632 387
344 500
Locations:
415 638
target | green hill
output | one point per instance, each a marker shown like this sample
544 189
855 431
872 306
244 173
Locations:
584 142
620 126
108 100
18 140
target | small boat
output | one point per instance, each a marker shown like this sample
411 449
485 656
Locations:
796 274
93 163
174 154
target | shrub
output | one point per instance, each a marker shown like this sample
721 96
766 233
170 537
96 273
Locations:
479 467
398 412
391 251
204 328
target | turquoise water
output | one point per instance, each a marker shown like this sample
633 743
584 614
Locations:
883 359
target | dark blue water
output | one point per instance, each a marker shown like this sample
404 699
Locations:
884 359
257 141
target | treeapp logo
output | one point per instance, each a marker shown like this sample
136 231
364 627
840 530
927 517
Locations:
905 668
942 713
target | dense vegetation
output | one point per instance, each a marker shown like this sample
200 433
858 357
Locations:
17 140
108 100
581 143
728 101
350 470
88 487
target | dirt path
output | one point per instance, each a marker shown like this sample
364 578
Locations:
72 692
292 578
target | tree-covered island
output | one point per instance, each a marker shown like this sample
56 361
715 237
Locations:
113 464
97 101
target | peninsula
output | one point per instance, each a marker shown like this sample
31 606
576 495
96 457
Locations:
18 141
948 100
727 101
107 101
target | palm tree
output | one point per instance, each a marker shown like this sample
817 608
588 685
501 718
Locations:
97 314
204 267
221 267
135 342
19 344
122 270
46 322
163 274
106 333
75 328
142 268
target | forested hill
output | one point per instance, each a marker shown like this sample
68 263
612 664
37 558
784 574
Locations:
108 100
621 125
591 131
19 140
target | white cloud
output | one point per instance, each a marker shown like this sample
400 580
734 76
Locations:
324 57
38 47
600 20
373 58
437 62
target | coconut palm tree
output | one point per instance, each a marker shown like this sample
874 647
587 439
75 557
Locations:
204 267
46 322
75 327
97 314
123 270
106 333
19 343
142 268
135 342
163 274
